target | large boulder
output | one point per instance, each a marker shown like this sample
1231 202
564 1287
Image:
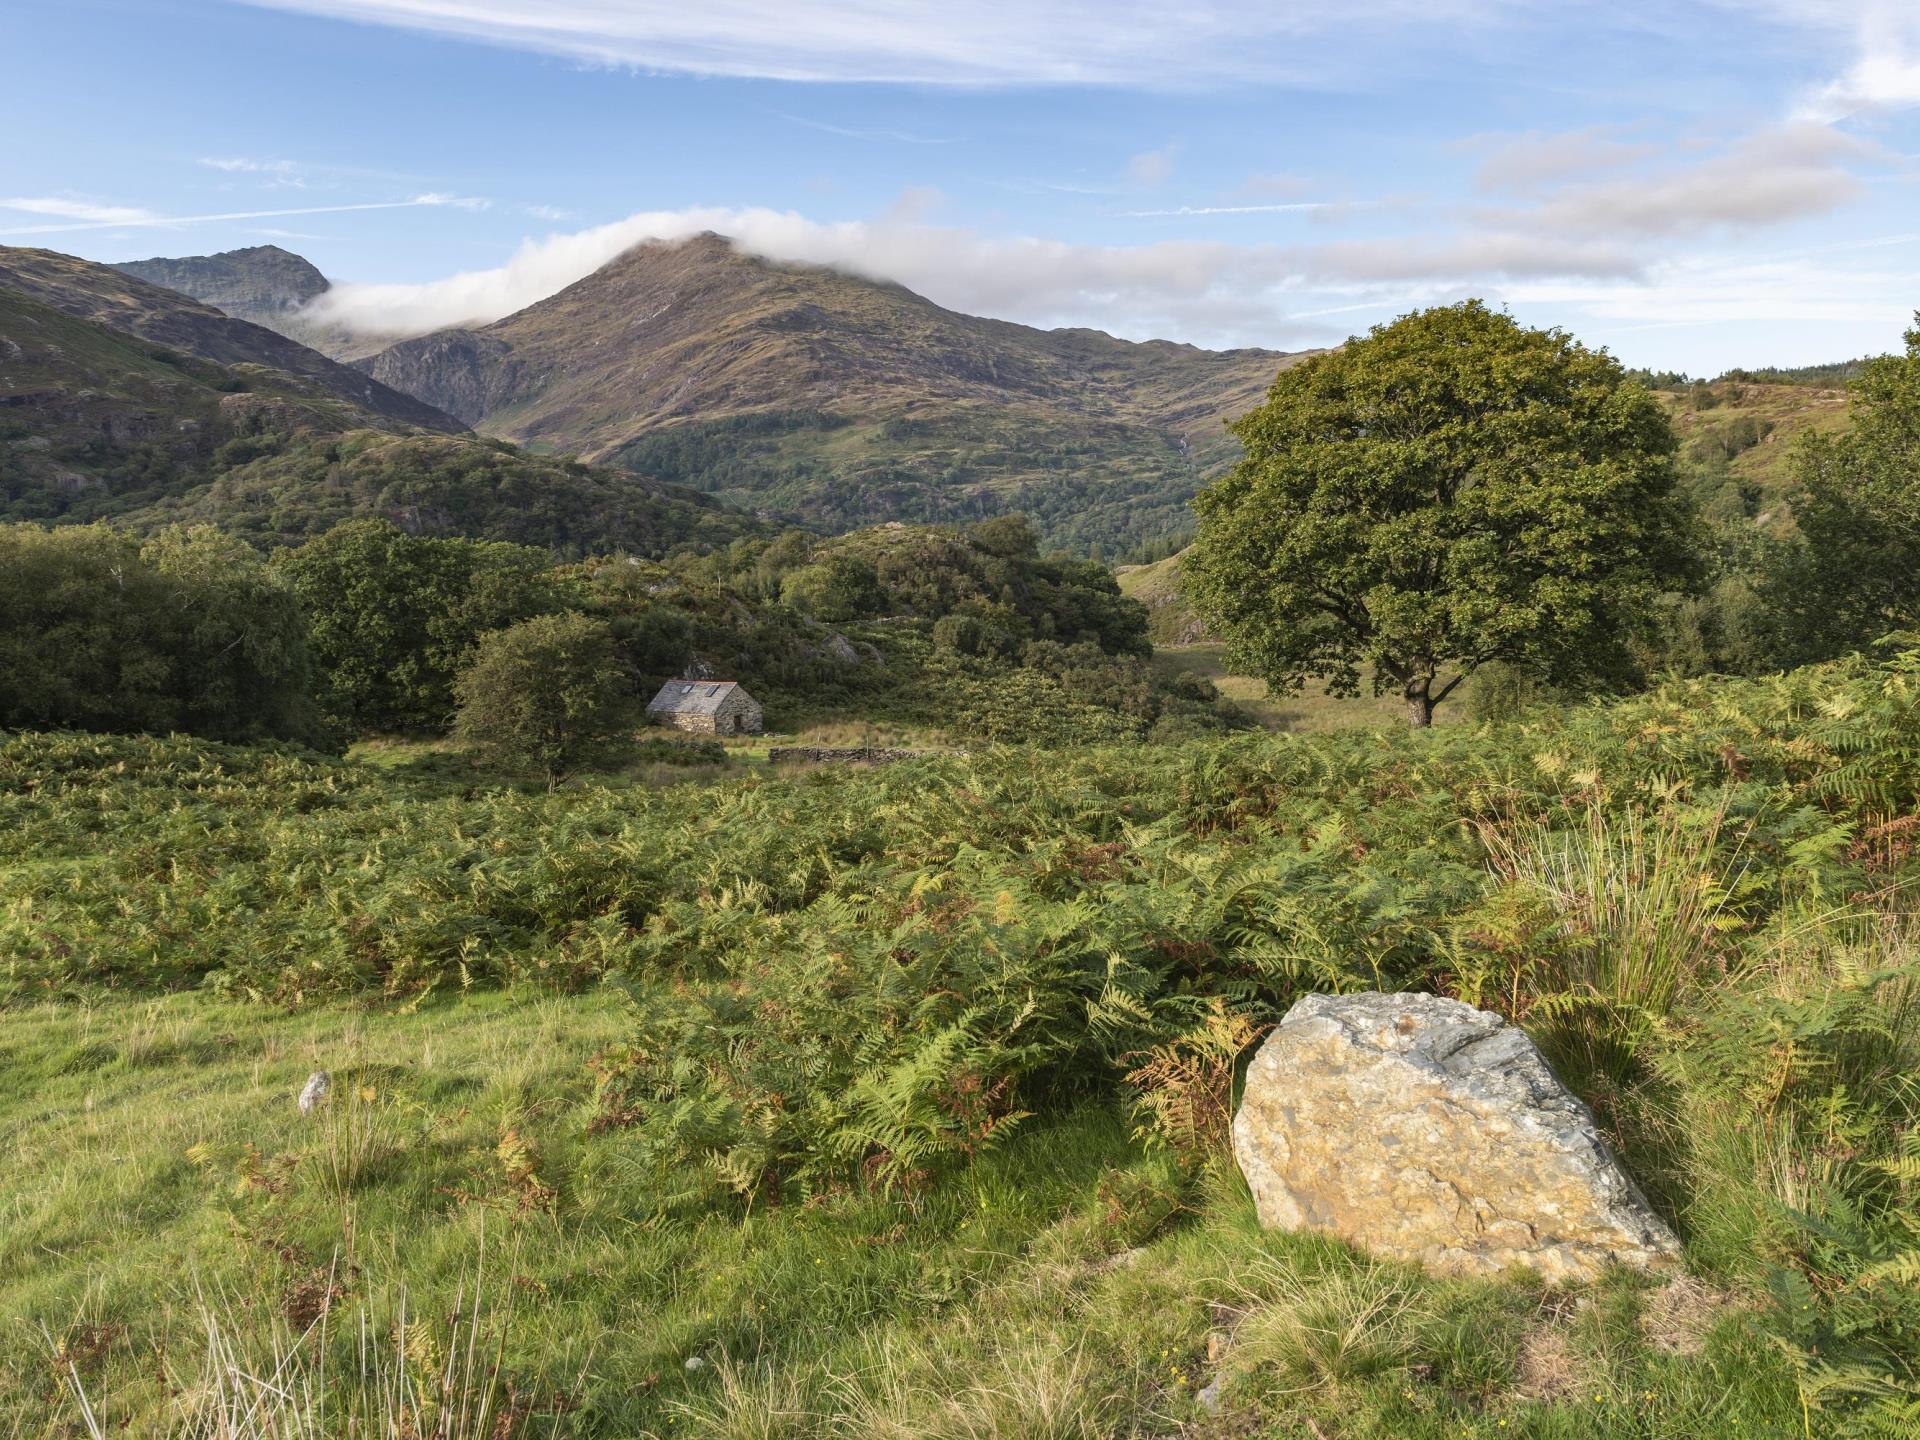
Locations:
1424 1129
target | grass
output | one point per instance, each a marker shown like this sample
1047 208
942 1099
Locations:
1309 712
672 1079
992 1306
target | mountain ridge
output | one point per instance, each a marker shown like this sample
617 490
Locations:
108 296
831 399
100 422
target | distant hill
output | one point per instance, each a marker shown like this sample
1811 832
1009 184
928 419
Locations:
837 401
259 283
167 318
1170 619
1737 440
263 284
100 422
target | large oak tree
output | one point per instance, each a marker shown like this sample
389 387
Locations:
1451 490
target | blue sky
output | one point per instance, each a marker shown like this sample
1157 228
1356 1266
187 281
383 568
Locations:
1692 183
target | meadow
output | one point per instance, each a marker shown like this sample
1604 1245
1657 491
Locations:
889 1103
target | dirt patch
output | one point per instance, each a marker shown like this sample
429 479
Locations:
1677 1316
1546 1368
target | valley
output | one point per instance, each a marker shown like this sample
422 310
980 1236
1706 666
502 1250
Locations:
656 1085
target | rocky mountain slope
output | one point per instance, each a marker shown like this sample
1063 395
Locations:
837 401
261 283
169 319
99 422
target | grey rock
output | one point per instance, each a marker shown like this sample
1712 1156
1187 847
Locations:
1423 1129
1208 1396
314 1091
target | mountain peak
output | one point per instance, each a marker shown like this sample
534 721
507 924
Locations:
827 397
252 283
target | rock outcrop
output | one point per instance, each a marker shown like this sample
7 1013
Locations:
1423 1129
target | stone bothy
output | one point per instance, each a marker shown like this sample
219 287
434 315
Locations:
706 707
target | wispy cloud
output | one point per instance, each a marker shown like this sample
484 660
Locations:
1279 209
81 210
1771 177
959 42
881 136
547 212
244 165
1884 73
97 217
1528 161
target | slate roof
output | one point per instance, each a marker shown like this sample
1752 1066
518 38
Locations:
693 697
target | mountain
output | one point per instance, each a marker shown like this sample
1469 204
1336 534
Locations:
101 422
837 401
164 317
263 284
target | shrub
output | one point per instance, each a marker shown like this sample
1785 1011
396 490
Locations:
545 694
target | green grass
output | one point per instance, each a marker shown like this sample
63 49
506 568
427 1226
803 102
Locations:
1310 712
818 1080
157 1160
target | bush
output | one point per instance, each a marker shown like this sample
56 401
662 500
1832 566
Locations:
546 694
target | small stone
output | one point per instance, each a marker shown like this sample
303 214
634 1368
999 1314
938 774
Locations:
314 1091
1426 1130
695 1363
1208 1398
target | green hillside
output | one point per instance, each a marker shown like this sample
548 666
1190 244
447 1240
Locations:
165 318
1737 439
836 401
100 423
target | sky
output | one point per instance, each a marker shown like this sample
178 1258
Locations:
1692 184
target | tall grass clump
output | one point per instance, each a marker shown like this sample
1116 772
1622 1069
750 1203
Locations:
1796 1110
402 1376
1597 933
1332 1330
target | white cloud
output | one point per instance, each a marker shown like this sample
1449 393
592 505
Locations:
76 216
1173 287
547 212
1207 291
1525 162
1772 177
244 165
80 210
966 42
1474 255
1885 39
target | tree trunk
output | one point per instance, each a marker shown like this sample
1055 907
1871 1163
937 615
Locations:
1419 705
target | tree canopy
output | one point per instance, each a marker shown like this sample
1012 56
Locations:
1451 490
1853 574
186 631
394 616
546 693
